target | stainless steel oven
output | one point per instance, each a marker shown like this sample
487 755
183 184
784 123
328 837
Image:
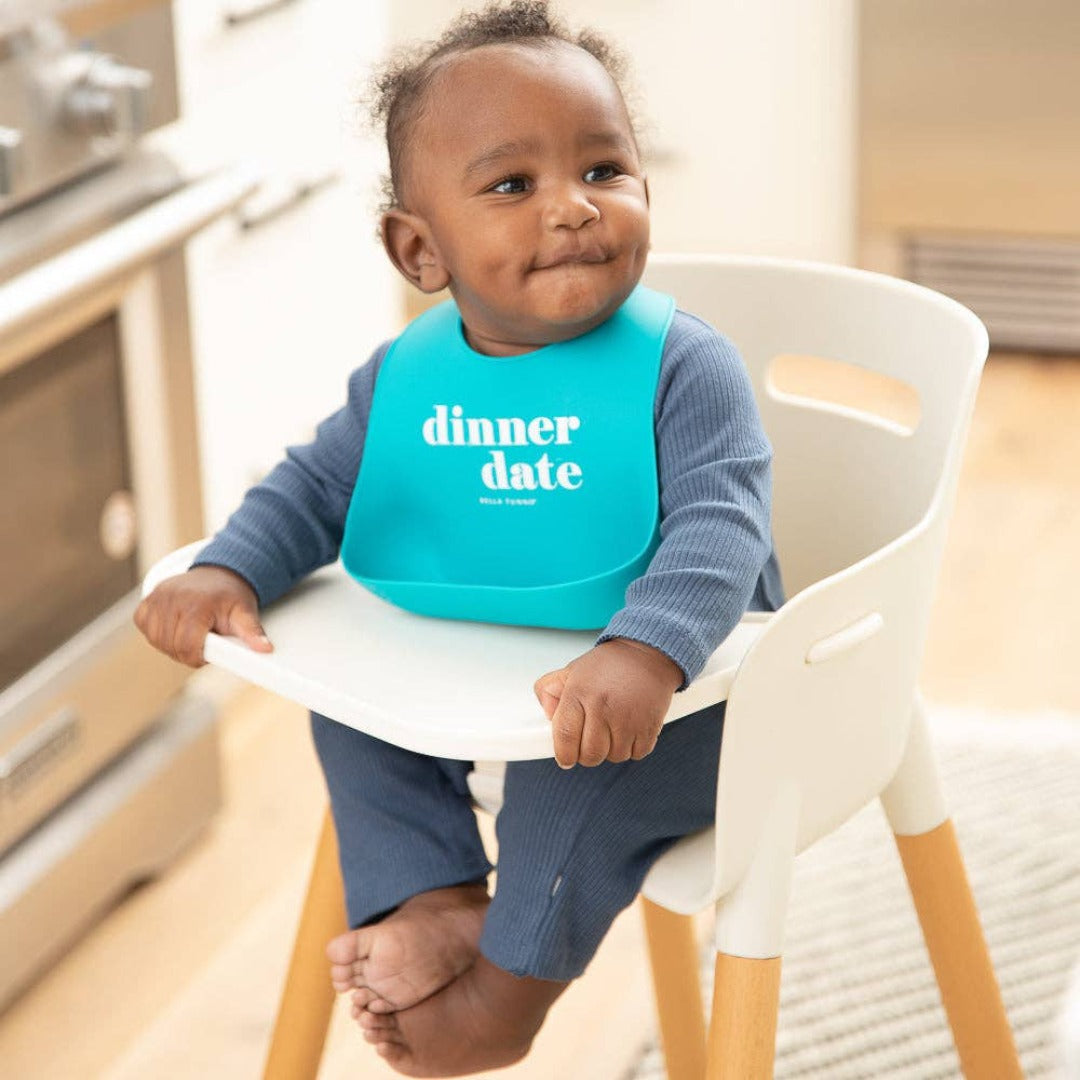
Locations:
108 764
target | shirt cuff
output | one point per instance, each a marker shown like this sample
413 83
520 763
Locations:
662 632
261 573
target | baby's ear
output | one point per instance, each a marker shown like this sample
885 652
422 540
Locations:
412 250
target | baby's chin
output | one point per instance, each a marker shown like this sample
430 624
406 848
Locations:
571 309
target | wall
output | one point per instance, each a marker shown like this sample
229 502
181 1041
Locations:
970 116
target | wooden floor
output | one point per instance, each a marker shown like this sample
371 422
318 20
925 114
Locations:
181 979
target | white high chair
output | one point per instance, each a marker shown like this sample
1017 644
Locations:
823 711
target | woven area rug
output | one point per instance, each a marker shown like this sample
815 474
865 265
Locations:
857 993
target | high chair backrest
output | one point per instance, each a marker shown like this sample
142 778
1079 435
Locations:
845 482
818 713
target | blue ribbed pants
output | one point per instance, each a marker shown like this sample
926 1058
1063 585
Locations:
574 845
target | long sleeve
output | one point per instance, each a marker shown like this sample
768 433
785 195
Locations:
715 558
292 522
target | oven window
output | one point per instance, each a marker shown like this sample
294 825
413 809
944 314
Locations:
65 485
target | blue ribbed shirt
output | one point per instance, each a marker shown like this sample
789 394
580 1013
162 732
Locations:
715 559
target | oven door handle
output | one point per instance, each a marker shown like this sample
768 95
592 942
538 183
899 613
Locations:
124 248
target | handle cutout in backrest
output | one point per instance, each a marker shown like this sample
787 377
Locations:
819 380
846 639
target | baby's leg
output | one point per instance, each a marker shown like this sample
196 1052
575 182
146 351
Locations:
413 863
574 847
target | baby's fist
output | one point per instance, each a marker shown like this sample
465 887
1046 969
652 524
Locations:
609 704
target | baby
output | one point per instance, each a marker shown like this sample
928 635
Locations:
516 184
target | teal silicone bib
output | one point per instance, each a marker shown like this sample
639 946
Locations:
518 489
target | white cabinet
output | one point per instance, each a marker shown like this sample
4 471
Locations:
284 309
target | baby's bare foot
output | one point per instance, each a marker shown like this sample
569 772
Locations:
484 1019
416 950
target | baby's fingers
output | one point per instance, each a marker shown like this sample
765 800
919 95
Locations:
566 727
160 622
145 619
171 629
643 746
189 637
595 742
242 622
548 689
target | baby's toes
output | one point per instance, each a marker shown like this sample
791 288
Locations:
347 976
390 1038
363 997
346 948
366 1003
374 1022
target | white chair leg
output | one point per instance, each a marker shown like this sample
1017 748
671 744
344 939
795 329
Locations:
749 942
914 803
914 800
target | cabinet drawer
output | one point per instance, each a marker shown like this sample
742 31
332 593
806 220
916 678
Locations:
217 57
281 87
303 52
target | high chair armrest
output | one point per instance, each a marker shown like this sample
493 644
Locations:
714 682
822 701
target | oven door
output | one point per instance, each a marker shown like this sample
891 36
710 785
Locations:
100 479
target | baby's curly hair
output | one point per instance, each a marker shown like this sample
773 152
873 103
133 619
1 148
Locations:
396 95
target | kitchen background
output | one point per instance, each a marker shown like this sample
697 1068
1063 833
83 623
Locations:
150 878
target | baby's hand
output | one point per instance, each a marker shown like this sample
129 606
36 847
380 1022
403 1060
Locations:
179 613
609 704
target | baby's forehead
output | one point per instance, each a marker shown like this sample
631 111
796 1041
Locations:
506 72
495 94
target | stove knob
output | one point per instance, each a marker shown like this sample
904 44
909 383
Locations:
108 99
11 159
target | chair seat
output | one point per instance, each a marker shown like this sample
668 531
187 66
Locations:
683 878
443 687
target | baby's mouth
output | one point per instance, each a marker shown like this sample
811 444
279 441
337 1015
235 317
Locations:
592 256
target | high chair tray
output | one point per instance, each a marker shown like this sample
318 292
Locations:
442 687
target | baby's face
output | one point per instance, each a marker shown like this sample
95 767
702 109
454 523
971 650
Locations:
525 172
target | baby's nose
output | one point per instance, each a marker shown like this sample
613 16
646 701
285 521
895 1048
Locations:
568 206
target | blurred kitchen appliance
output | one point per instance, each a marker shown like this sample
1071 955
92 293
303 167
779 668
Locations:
108 765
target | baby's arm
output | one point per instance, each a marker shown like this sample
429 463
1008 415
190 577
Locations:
714 464
292 522
287 526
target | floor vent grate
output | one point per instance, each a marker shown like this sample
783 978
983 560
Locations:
1026 291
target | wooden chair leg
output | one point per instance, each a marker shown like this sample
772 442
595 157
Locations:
954 938
742 1031
673 956
307 1001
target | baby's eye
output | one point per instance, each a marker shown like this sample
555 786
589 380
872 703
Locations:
510 185
607 171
